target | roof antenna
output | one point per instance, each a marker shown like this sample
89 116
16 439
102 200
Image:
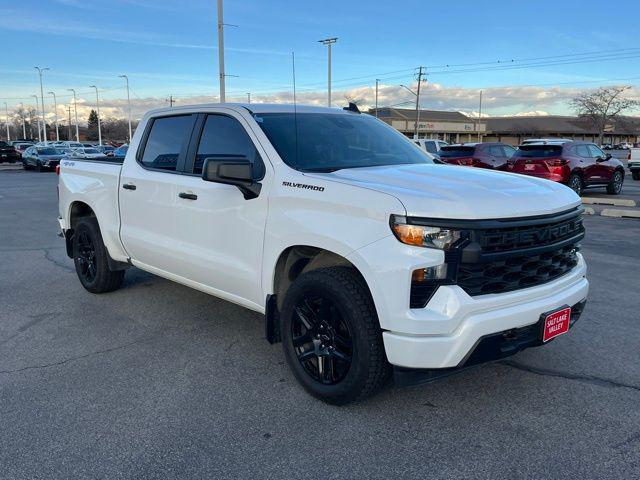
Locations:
295 106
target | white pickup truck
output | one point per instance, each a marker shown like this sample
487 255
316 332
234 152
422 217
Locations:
634 162
366 258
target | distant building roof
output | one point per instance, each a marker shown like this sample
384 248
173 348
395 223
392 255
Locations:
426 115
554 124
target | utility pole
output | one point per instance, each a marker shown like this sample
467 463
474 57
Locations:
69 134
415 132
170 100
248 97
44 120
221 51
328 42
98 112
24 126
128 103
377 81
480 117
37 118
6 111
55 106
75 107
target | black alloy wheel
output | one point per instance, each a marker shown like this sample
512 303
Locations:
615 187
575 184
86 257
322 340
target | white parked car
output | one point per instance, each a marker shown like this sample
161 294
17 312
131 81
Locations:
86 152
364 256
431 146
634 162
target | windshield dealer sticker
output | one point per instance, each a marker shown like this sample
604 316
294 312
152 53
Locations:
304 186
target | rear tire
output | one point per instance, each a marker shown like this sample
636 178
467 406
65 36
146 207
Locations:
615 185
90 258
575 183
635 174
338 354
38 167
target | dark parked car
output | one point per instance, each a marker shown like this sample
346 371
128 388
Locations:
120 152
578 165
41 158
484 155
8 153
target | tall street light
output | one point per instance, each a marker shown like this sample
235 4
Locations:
98 111
55 107
221 51
328 42
44 121
75 107
24 126
37 118
128 103
6 111
248 97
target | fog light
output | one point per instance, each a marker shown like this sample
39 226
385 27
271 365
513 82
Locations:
439 272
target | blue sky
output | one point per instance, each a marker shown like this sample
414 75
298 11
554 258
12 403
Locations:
170 47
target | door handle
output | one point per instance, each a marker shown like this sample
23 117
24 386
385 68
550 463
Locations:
188 196
129 186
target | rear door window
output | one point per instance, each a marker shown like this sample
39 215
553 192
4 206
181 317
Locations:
508 151
166 142
431 147
582 151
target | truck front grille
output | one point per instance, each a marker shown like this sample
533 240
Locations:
503 255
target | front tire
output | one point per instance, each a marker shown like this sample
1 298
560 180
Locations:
331 336
90 258
575 183
615 185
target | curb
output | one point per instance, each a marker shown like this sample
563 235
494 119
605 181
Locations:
612 212
618 202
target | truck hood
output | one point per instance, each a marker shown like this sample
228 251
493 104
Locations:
465 193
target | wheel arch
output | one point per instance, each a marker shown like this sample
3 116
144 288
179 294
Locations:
77 209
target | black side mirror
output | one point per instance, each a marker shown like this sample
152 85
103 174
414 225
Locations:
608 156
238 171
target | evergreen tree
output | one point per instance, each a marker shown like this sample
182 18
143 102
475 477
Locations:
92 126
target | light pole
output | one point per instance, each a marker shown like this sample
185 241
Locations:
377 82
75 107
328 42
248 97
37 118
221 51
44 120
128 103
6 111
24 126
98 112
55 107
69 126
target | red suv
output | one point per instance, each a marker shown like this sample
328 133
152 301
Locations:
483 155
578 165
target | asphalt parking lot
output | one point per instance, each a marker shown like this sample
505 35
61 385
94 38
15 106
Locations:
157 380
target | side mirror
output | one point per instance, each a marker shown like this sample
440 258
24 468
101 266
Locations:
608 156
238 171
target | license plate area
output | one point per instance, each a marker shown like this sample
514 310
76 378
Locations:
555 323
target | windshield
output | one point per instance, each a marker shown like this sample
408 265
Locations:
329 142
538 151
47 151
451 152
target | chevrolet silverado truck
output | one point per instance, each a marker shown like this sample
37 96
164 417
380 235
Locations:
367 259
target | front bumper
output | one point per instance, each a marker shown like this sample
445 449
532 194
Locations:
444 333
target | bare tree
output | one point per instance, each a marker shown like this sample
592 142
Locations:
603 106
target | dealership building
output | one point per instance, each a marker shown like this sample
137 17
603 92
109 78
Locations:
456 127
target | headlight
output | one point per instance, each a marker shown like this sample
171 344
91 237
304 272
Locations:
441 238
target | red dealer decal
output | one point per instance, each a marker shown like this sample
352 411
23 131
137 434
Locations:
556 324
